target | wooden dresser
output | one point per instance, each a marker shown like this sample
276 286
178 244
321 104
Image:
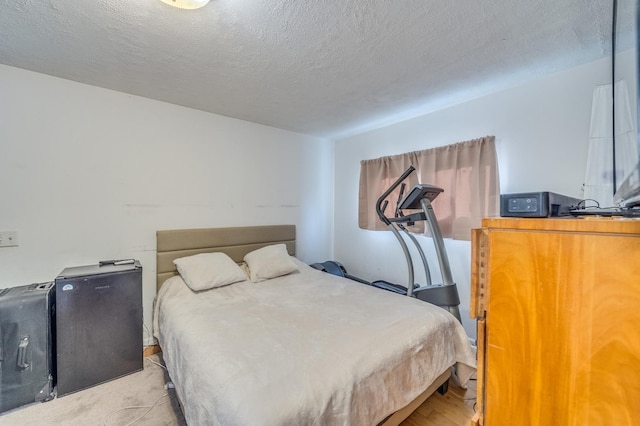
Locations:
558 307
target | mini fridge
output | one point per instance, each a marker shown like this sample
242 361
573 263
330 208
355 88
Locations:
26 345
98 324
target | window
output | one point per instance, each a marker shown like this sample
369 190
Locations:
467 171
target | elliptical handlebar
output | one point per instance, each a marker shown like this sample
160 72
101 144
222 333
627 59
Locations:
389 190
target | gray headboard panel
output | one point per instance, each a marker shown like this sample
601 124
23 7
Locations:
236 242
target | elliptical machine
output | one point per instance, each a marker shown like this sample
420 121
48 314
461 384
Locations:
419 197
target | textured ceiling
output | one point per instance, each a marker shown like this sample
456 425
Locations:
327 68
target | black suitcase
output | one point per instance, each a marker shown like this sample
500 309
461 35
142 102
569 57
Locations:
26 339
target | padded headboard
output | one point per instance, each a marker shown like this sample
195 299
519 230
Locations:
235 242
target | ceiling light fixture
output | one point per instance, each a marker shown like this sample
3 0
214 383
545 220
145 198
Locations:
186 4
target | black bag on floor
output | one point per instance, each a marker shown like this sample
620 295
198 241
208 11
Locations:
26 340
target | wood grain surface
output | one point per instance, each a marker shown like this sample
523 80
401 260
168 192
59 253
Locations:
563 323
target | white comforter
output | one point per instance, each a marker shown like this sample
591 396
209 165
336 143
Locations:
305 349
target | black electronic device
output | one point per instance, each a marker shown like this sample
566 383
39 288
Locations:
537 204
98 324
607 211
27 372
417 193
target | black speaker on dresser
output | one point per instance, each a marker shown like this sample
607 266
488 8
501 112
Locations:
98 324
26 344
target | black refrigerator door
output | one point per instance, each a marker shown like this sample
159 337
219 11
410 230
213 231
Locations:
99 328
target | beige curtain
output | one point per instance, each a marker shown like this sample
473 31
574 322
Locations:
467 171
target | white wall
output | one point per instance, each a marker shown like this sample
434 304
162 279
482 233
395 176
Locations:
89 174
541 130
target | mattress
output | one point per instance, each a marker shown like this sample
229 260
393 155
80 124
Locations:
306 348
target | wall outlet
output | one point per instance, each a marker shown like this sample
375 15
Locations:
8 239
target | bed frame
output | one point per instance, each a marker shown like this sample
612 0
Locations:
237 242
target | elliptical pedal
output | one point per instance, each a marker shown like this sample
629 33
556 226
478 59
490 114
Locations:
385 285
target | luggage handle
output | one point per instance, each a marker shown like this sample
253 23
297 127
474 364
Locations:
22 352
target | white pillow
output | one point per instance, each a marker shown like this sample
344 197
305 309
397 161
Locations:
269 262
209 270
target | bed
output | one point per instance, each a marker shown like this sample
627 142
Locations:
304 348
